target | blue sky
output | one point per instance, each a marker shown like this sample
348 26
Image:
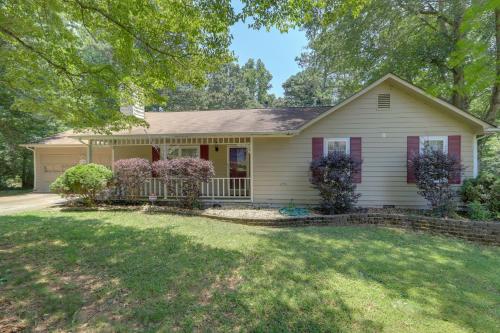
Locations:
278 51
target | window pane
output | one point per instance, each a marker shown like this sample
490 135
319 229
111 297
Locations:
189 152
337 147
434 145
173 153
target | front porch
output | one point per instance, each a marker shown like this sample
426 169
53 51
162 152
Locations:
231 157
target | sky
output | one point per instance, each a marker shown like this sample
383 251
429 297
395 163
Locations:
278 51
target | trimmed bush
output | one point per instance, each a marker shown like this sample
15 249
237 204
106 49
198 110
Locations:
485 190
130 175
86 181
333 177
191 172
477 211
433 169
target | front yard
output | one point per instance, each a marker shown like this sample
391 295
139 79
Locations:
105 271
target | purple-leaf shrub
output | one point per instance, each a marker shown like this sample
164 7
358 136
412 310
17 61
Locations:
188 173
130 175
333 177
433 170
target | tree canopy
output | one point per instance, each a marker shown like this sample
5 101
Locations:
449 48
230 87
77 60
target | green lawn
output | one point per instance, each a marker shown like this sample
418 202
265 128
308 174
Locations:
135 272
10 192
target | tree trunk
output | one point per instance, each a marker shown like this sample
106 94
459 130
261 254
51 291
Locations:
458 98
491 115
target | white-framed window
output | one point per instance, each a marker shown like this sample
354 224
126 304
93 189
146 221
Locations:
434 143
336 145
183 151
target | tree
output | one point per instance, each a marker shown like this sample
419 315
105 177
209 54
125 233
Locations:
263 83
230 87
307 88
443 46
18 127
77 60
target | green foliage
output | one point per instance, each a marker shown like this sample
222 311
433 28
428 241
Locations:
307 88
18 127
489 150
478 211
484 190
78 60
86 181
230 87
444 47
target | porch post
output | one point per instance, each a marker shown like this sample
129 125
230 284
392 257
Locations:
251 168
89 152
113 158
475 160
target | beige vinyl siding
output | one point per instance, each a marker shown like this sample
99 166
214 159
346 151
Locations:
143 151
281 164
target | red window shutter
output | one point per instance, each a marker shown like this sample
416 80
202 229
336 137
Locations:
204 152
412 149
356 156
155 153
454 147
317 148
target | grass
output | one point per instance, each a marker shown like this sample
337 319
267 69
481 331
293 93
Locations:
132 272
10 192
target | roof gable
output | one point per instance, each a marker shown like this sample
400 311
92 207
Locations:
414 89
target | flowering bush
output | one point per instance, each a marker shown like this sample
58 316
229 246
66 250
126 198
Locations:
130 174
433 169
190 172
84 180
333 177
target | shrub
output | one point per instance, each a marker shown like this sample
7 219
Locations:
191 172
478 211
333 177
433 169
83 180
130 175
484 189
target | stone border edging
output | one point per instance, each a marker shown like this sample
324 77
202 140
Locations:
481 232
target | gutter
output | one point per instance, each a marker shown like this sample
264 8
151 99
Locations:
254 134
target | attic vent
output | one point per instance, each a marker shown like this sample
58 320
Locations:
384 102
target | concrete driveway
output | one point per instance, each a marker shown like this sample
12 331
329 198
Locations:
29 201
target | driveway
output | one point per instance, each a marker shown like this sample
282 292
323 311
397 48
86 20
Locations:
29 201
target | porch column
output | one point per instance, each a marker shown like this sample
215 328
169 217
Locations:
113 158
89 152
251 168
475 160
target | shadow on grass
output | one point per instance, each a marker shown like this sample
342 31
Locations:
71 272
60 272
451 281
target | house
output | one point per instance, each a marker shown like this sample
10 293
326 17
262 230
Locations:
263 155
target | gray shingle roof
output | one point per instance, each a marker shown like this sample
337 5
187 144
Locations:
269 120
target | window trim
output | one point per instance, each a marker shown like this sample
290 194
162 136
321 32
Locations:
422 140
182 147
326 141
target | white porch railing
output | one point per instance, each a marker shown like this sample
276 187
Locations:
214 189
